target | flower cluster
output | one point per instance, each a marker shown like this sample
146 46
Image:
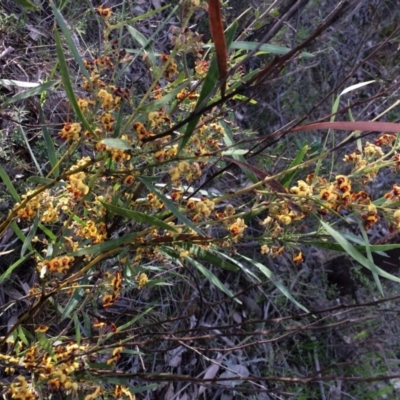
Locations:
114 281
60 371
201 209
369 156
170 66
187 40
20 390
142 280
70 131
59 265
186 171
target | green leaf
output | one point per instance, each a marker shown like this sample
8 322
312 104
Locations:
206 272
134 320
10 269
139 217
234 152
43 181
212 278
49 143
106 246
119 121
39 89
140 389
26 4
77 326
71 44
145 43
242 267
18 231
169 204
209 257
160 27
22 336
207 90
148 14
157 104
48 233
268 273
269 48
10 187
75 300
375 248
229 141
45 343
369 256
120 144
21 84
87 326
287 179
68 85
28 146
356 255
31 234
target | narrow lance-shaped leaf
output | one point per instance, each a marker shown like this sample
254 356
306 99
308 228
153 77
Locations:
70 41
145 43
229 141
356 255
11 268
28 241
268 273
74 300
169 204
26 4
137 216
369 256
109 245
287 179
206 272
49 143
265 48
210 258
68 85
206 92
10 187
26 94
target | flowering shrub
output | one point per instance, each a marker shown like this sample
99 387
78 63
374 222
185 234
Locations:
131 188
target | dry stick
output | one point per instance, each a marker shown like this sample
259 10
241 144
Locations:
295 317
286 380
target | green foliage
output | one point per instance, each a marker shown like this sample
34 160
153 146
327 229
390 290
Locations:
134 199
